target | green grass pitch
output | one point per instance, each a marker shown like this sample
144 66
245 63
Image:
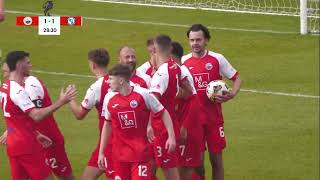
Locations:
270 137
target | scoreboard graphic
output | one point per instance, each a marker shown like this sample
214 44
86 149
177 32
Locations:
49 25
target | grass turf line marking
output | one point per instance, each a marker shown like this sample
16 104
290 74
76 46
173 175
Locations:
243 90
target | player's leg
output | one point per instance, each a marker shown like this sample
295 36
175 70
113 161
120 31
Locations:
217 166
17 171
57 159
92 171
35 166
167 161
216 143
171 173
199 172
185 172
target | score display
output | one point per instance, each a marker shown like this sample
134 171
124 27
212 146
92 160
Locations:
49 25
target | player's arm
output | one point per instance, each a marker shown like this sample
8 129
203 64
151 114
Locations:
88 102
171 141
185 86
106 130
185 89
38 114
155 106
78 111
229 72
3 138
105 135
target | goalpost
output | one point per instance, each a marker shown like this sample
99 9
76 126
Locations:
308 10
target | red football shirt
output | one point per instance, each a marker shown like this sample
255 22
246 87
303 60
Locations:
129 116
39 95
165 83
140 79
212 66
21 135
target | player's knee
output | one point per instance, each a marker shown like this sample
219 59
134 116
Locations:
200 170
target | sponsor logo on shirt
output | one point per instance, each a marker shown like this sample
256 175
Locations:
201 81
133 104
127 119
208 66
166 160
115 105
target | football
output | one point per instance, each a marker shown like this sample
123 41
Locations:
216 87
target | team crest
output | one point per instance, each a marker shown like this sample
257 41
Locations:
133 104
209 66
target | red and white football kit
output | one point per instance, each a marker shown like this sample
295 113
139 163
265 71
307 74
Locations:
212 66
140 79
147 68
94 97
189 117
165 84
25 154
129 116
56 156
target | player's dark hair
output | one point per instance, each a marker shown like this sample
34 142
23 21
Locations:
121 70
177 49
99 56
150 42
164 42
14 57
199 27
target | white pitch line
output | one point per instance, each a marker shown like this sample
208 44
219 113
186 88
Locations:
244 90
164 24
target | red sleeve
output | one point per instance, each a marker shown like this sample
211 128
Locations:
29 110
234 76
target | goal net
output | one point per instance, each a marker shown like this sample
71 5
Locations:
271 7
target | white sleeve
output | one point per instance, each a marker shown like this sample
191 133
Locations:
34 88
160 81
90 99
185 73
105 112
153 104
226 68
20 98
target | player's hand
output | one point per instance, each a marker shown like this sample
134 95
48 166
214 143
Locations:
68 94
224 98
44 140
102 162
183 135
3 138
171 144
150 134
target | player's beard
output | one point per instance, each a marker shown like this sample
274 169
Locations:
198 50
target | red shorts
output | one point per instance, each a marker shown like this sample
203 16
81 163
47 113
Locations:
31 166
215 138
133 171
190 152
93 161
57 160
161 156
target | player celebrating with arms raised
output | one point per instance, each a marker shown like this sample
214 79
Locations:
126 111
206 66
